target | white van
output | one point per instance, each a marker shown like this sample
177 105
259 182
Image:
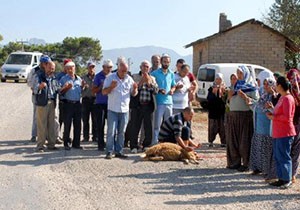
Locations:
206 76
18 65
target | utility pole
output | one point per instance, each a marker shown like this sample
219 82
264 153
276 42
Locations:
22 42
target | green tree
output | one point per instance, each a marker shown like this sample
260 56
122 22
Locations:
284 16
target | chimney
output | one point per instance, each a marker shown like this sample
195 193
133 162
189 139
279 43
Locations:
224 24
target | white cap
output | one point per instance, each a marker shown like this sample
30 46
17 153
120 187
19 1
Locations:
108 62
70 63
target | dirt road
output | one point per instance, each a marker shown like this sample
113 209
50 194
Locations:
85 180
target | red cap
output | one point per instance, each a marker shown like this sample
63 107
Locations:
67 60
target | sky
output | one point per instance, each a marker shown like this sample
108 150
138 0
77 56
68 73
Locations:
128 23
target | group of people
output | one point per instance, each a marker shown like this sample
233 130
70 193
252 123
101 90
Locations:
258 123
155 103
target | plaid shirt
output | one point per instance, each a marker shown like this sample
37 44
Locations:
146 93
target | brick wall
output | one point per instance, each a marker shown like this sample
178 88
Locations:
249 43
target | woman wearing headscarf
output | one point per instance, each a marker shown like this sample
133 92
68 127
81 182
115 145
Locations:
283 132
216 110
294 78
261 160
240 122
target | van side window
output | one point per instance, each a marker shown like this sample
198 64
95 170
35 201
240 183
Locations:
35 60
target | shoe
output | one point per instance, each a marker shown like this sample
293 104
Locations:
255 172
243 169
108 156
52 148
58 141
41 149
77 147
223 145
101 148
134 150
277 183
286 185
210 145
121 155
294 179
233 167
95 139
85 140
33 139
67 147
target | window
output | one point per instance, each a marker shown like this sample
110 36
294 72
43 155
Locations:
206 74
19 59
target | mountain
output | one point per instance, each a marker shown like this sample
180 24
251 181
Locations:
36 41
138 54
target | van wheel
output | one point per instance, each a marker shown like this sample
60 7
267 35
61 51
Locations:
3 80
16 81
204 105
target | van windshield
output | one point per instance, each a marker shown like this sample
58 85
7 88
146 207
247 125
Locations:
206 74
19 59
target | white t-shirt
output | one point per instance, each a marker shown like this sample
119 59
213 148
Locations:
181 96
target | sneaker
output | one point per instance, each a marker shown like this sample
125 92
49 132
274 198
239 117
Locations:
58 141
233 167
108 156
286 185
85 140
33 139
277 183
243 169
41 149
121 155
210 145
134 150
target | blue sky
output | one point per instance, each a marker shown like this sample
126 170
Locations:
118 24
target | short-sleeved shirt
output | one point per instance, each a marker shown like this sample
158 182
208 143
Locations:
173 127
119 97
166 82
98 82
181 96
191 76
74 93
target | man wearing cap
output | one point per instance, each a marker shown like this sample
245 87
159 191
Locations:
88 103
118 87
71 86
166 84
101 101
45 89
44 59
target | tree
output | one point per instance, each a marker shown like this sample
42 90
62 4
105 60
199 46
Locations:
284 16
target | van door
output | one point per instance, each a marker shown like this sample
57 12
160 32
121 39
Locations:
205 77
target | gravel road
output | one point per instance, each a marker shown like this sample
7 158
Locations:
85 180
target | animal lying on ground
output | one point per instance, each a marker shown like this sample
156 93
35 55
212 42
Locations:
170 152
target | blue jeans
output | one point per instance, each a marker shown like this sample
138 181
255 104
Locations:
163 112
283 161
116 123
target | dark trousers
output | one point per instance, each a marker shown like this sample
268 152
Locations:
139 115
72 113
88 109
101 115
61 112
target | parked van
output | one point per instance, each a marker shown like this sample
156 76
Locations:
206 76
18 65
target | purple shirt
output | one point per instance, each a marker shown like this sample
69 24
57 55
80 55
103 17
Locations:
98 81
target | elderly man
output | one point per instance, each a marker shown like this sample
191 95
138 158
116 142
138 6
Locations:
88 103
30 82
166 84
155 60
141 113
71 89
118 86
45 90
101 101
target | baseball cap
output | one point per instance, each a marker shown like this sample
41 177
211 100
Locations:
45 59
91 63
108 62
70 63
67 60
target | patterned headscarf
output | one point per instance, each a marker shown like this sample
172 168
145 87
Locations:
293 76
247 84
265 96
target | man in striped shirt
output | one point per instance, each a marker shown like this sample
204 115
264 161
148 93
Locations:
177 129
